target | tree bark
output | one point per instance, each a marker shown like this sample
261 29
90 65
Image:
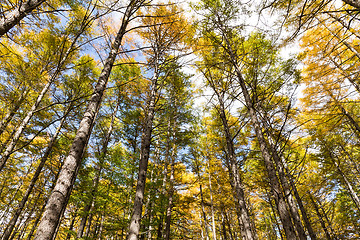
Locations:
8 117
98 175
301 206
57 199
16 15
134 227
212 209
203 212
235 179
353 3
170 195
266 152
43 159
9 149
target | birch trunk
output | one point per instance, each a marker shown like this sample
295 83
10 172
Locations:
57 200
15 16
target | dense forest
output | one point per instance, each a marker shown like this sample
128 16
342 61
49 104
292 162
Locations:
209 120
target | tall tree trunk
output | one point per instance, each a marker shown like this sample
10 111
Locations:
16 15
203 212
34 179
223 226
170 195
301 206
274 220
235 179
266 149
96 180
266 152
288 194
212 208
57 200
8 117
134 227
9 149
71 227
323 225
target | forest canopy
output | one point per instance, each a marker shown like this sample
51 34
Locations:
207 119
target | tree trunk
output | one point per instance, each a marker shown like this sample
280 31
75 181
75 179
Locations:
235 179
15 16
8 117
98 175
9 150
203 212
171 195
134 227
266 152
212 209
57 200
43 159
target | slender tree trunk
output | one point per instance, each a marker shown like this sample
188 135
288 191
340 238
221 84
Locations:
301 206
223 226
171 195
235 179
134 227
8 117
348 185
274 212
9 149
71 227
34 179
16 15
288 194
276 189
98 175
212 208
57 200
229 226
203 211
323 225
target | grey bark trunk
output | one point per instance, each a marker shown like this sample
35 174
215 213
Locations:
212 209
57 200
43 159
266 152
9 149
301 206
203 212
276 189
134 227
8 117
322 222
16 15
171 194
235 179
97 177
